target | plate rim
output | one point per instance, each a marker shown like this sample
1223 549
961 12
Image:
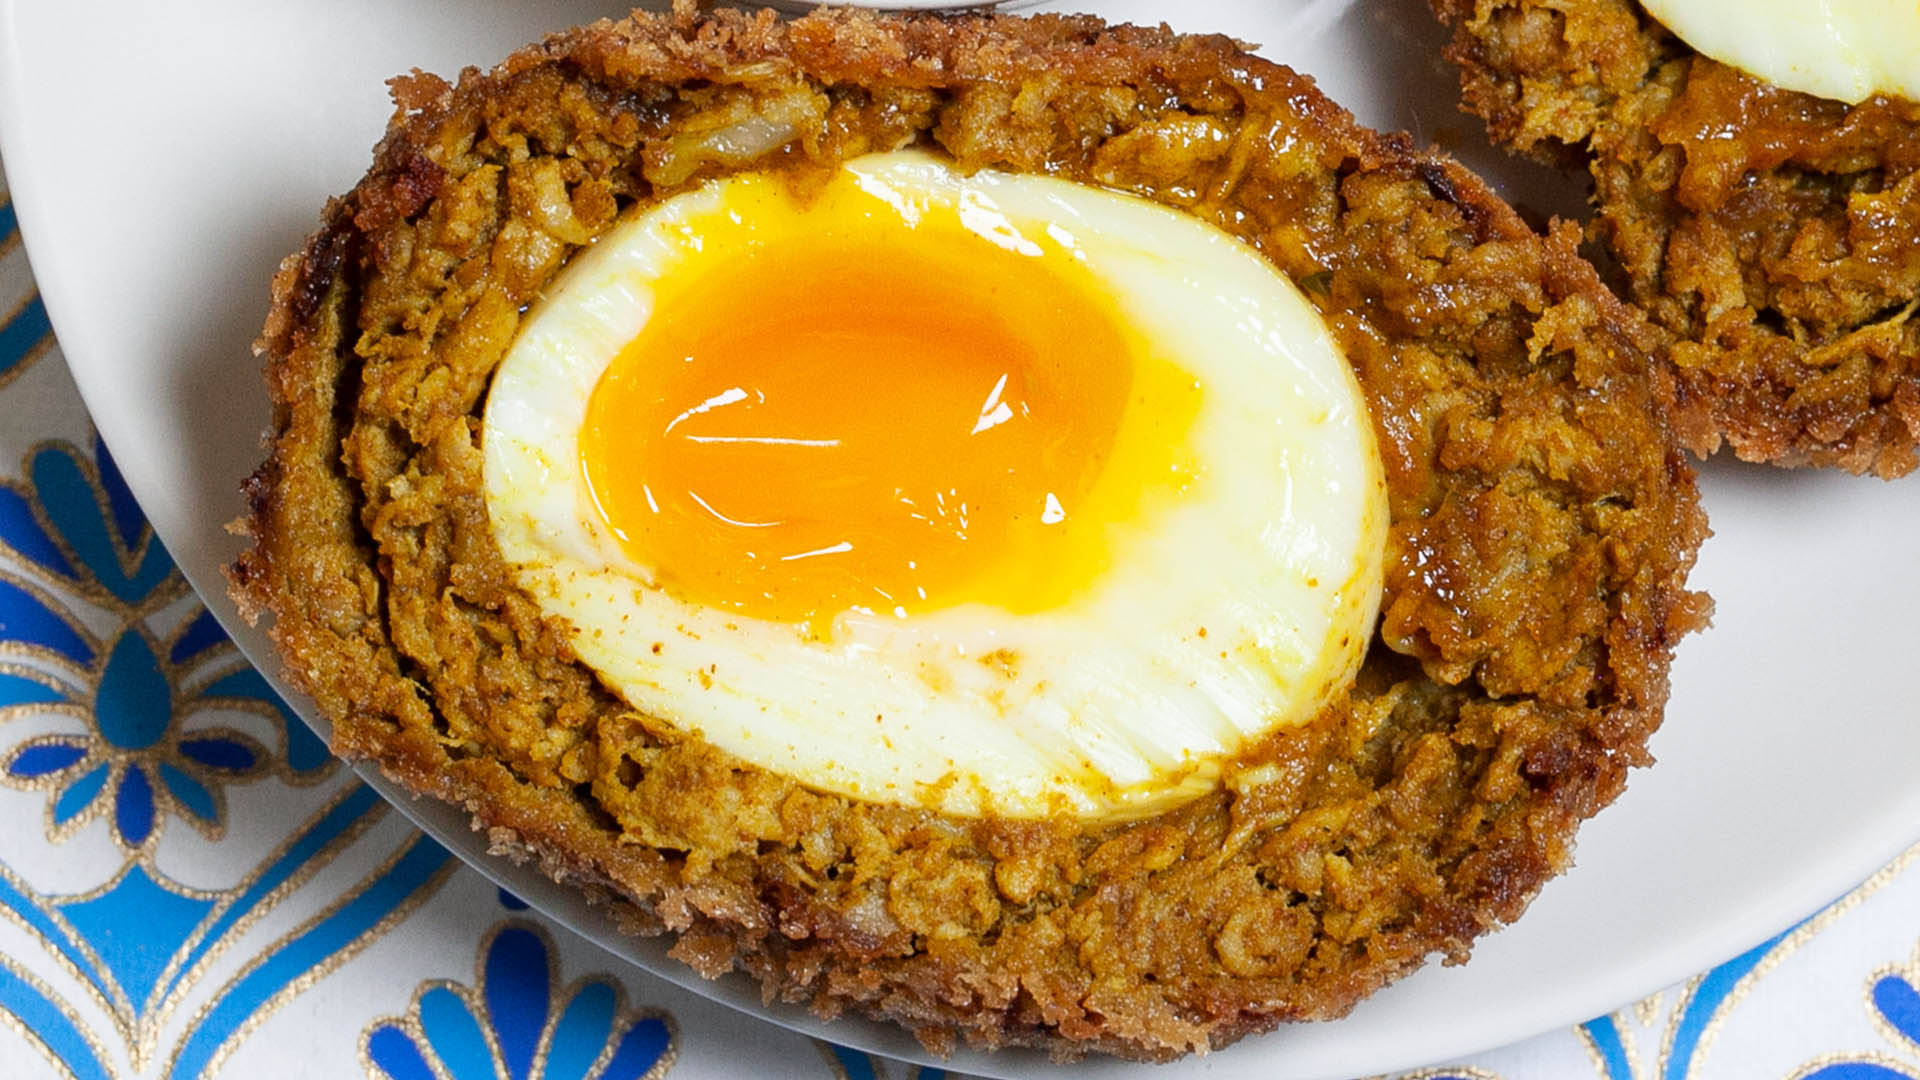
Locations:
1844 866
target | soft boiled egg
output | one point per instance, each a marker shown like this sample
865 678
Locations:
987 494
1848 50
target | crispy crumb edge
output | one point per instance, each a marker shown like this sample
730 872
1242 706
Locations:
566 843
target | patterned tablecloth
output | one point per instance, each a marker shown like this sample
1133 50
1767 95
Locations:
192 887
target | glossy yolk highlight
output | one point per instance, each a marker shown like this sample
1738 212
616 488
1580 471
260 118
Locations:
872 416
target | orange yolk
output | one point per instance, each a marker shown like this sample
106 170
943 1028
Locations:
880 417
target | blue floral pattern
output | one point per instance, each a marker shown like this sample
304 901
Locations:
512 1024
25 330
129 682
1896 1004
146 756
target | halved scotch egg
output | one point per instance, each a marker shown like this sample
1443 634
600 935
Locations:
1541 521
989 494
1756 183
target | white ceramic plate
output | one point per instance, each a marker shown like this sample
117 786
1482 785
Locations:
163 157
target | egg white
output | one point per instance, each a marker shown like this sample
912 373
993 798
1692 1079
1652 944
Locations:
1238 608
1847 50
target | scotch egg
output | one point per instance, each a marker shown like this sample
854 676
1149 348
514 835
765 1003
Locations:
1848 50
986 494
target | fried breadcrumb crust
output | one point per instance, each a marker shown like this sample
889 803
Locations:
1543 524
1774 235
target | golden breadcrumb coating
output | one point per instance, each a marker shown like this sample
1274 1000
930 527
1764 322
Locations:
1543 525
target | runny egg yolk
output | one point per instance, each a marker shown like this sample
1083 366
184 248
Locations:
828 412
988 494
